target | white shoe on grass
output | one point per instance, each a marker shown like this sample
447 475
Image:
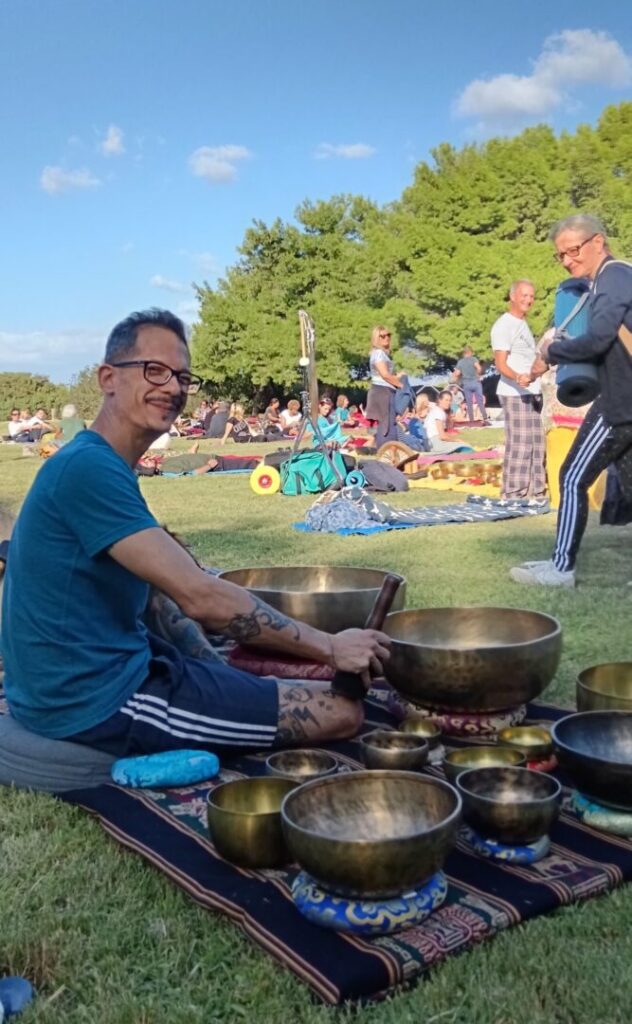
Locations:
542 574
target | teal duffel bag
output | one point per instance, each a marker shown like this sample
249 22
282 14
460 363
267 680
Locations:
310 472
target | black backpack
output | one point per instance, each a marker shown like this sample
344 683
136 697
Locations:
382 476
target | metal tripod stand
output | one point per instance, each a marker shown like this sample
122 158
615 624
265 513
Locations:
309 393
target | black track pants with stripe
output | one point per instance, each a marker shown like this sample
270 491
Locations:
596 446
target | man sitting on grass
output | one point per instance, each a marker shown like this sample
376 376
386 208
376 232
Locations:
84 552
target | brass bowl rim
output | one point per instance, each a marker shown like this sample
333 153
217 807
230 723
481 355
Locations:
581 681
518 743
420 742
509 768
278 773
487 746
249 778
573 751
434 727
555 632
310 593
373 774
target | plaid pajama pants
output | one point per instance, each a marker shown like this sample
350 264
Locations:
523 465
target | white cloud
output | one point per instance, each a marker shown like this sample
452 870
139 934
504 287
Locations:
571 58
206 262
348 151
58 354
55 180
112 144
168 284
188 310
217 163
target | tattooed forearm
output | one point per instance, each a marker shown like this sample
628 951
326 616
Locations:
247 627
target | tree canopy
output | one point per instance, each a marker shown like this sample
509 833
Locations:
435 265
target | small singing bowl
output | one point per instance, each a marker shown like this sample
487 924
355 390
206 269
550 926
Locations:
605 687
512 805
301 765
533 740
244 821
386 749
423 727
462 760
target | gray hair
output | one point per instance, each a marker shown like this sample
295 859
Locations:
584 223
124 335
68 411
516 284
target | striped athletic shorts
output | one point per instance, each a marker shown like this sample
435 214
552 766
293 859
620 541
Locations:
189 703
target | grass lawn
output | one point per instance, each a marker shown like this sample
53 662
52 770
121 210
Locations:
106 939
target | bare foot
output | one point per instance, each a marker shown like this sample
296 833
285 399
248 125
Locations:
194 448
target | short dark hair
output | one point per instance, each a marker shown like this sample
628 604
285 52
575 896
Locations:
123 337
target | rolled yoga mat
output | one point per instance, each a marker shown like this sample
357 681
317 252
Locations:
577 383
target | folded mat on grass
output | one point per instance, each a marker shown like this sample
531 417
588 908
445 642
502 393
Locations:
168 828
478 456
353 510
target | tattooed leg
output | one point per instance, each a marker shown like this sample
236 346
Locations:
311 713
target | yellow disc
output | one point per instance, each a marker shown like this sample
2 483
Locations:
265 480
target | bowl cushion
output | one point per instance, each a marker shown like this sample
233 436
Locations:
530 853
368 917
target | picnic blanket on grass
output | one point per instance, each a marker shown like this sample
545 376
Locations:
168 829
353 511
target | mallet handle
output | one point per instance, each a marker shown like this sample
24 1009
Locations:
347 684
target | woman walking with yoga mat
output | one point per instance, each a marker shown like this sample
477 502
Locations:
380 406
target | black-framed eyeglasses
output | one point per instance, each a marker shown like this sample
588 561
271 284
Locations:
573 250
159 373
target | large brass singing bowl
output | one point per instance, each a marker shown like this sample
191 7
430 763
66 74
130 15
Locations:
472 659
605 687
330 598
512 805
244 821
487 756
371 834
595 749
384 748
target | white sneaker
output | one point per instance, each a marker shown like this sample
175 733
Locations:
543 574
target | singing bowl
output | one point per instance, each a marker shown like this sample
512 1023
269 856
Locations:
533 741
330 598
301 765
387 749
472 659
424 728
244 821
371 834
512 805
595 749
605 687
487 756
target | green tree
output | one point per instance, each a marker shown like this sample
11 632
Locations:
84 391
31 391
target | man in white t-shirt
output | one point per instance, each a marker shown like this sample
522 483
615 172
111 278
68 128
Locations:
519 392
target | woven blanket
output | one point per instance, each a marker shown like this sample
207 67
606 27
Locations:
168 829
354 511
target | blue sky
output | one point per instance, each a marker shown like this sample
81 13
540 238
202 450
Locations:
139 138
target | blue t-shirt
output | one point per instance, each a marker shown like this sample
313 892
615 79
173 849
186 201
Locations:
73 642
